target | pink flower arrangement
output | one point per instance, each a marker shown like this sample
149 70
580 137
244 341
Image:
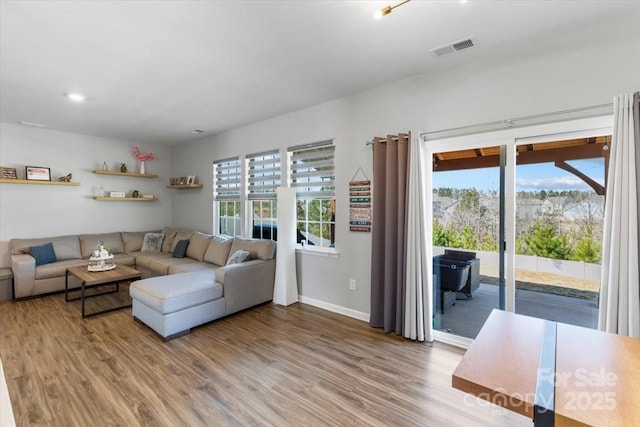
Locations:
141 156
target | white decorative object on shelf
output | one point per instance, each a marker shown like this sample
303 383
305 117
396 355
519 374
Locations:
142 167
101 259
116 194
101 192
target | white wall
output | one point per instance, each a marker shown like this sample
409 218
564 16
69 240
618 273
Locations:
583 68
46 210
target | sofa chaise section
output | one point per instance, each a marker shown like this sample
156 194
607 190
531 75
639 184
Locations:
193 292
172 305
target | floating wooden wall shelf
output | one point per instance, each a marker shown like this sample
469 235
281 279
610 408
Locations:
117 173
126 199
182 186
36 182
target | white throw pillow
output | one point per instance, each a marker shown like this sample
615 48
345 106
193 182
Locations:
238 257
152 242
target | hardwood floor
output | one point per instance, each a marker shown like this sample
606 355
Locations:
299 366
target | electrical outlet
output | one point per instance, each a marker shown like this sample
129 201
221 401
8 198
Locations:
352 284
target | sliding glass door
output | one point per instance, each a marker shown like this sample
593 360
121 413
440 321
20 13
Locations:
468 229
559 221
522 210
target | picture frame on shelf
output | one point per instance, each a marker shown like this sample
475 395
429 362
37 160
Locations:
191 179
174 181
37 173
8 173
183 180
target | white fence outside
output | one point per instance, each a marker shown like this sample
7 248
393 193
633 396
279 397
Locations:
577 269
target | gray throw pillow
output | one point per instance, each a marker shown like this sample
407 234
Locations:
152 242
238 257
181 248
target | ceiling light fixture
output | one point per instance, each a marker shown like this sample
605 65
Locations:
77 97
387 10
197 131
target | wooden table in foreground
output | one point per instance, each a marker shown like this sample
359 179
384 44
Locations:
89 279
554 373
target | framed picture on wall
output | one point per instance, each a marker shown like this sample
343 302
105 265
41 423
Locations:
8 173
37 173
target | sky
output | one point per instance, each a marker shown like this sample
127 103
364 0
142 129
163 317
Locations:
536 177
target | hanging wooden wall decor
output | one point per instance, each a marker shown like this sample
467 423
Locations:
360 203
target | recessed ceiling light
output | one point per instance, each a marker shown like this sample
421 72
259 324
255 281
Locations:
37 125
75 96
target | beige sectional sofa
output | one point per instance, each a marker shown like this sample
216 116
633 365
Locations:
73 250
253 279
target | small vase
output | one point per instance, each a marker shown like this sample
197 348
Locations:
142 166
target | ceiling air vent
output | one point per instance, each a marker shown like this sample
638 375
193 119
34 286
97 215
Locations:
453 47
463 44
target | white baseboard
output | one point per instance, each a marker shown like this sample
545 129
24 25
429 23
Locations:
451 339
439 336
6 412
335 308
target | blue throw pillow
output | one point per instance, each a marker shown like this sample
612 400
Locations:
181 248
44 254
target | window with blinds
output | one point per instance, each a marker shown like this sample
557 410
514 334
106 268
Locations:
263 180
226 184
312 174
312 170
226 179
263 175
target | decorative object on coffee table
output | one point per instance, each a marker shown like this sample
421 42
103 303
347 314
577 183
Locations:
123 167
142 157
101 259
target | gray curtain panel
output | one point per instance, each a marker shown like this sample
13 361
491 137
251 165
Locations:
388 249
636 124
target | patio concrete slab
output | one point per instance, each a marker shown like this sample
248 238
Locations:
466 317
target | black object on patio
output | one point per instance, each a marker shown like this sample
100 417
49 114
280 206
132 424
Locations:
453 278
473 279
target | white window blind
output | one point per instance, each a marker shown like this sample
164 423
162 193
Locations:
312 170
263 175
226 175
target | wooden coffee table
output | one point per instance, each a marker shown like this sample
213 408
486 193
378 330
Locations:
91 279
556 374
